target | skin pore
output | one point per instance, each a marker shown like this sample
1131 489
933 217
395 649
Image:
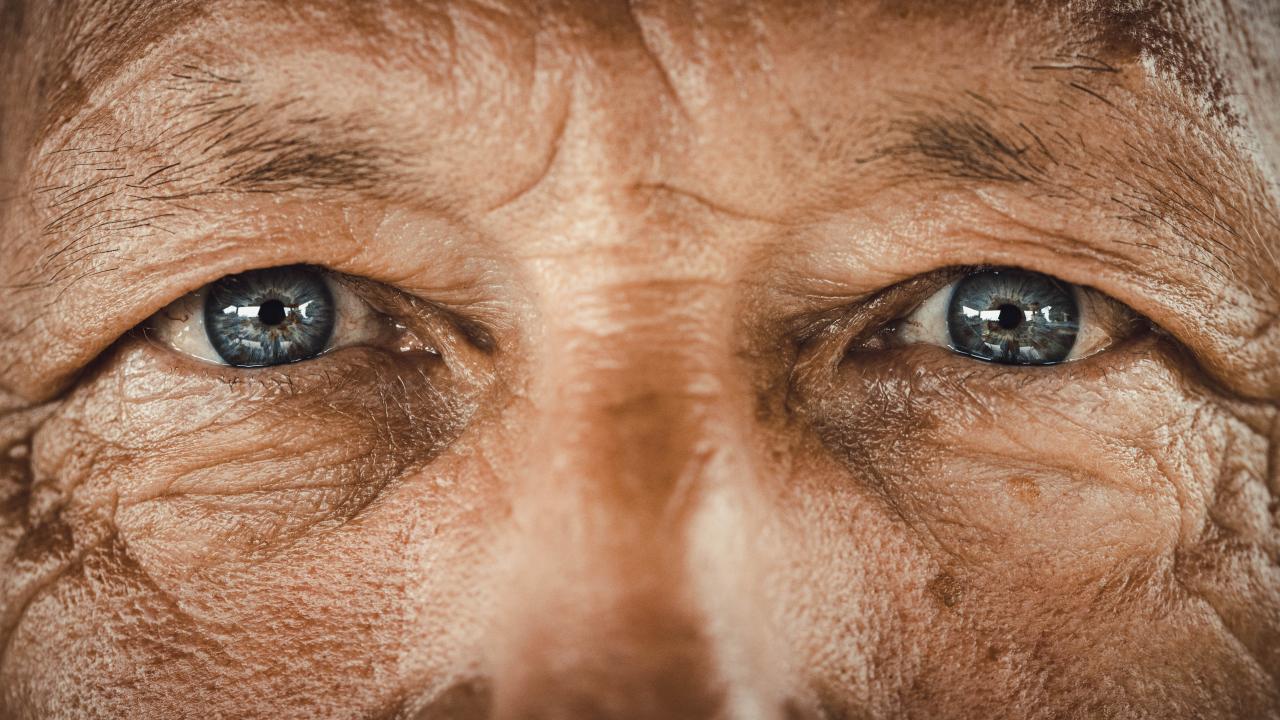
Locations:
659 450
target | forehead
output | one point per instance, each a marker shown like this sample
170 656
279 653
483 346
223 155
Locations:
811 55
84 41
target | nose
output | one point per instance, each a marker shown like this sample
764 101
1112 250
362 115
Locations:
627 597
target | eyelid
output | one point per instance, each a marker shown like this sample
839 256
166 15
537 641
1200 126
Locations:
180 326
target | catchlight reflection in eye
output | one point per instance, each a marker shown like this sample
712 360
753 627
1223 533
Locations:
276 316
1013 317
269 317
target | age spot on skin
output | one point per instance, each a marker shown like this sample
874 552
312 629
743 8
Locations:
946 589
1025 489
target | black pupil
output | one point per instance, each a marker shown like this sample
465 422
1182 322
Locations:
272 312
270 316
1013 316
1010 316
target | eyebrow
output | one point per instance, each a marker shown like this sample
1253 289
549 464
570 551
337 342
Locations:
215 139
1202 200
231 143
963 145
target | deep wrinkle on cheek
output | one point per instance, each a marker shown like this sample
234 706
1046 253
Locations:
41 536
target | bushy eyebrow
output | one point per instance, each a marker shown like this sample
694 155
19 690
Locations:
223 140
1187 199
213 137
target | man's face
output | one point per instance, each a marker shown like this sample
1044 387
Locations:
662 360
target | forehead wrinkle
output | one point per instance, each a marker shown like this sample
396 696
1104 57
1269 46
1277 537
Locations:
108 181
71 47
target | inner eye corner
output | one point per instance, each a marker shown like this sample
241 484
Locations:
477 334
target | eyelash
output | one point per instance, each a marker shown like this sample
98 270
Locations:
875 324
879 323
365 316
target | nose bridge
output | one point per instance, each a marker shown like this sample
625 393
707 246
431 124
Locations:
634 415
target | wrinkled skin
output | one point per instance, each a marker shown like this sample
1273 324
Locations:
663 462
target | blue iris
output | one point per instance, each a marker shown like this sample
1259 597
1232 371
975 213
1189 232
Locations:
1013 317
269 317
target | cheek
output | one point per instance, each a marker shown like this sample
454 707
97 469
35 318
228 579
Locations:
1060 472
338 558
1028 527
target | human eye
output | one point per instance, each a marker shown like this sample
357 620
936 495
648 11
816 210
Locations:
258 406
953 391
271 316
1012 316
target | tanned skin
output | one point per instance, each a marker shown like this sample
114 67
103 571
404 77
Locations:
658 449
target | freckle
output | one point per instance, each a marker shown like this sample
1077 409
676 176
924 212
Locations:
946 589
993 653
1025 489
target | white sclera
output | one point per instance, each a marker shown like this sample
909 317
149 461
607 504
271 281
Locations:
181 327
928 323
